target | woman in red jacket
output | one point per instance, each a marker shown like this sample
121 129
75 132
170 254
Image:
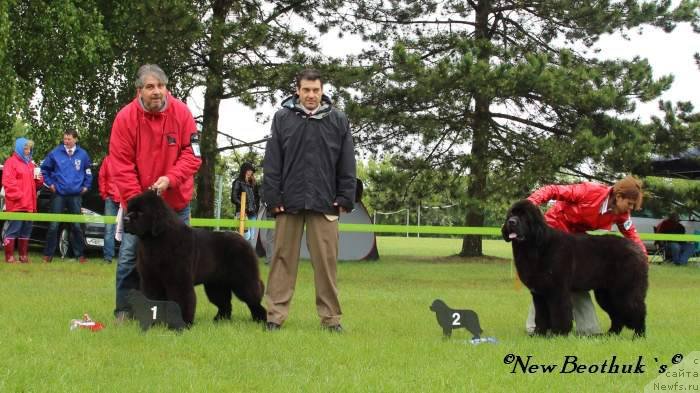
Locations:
585 207
20 183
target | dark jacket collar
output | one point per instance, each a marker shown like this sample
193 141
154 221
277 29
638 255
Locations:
292 103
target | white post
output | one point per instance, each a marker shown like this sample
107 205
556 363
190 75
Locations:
408 211
218 197
418 234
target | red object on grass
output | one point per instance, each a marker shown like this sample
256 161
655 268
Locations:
86 323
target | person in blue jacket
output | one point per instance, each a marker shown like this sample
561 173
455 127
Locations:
66 171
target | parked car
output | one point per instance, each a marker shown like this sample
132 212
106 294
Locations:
93 233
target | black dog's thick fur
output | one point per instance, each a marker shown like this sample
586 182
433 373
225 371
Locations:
447 318
552 264
172 258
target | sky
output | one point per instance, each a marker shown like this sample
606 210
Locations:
668 53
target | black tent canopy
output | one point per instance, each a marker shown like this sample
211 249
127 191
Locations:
684 166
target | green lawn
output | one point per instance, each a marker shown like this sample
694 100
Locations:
392 342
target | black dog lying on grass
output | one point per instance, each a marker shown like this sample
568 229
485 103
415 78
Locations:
172 258
552 264
450 319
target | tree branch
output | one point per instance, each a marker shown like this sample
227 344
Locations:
540 126
242 144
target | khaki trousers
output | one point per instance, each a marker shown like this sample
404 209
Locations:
322 240
584 315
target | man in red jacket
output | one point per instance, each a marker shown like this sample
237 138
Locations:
584 207
154 145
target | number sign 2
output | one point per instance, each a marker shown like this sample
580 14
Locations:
450 319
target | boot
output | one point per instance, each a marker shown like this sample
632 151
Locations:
23 245
10 250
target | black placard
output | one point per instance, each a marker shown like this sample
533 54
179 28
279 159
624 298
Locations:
150 312
450 319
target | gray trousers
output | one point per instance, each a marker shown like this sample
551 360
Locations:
584 315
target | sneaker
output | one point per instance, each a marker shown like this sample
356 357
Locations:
333 328
108 261
271 326
46 259
82 260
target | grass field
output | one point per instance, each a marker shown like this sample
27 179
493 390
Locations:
392 341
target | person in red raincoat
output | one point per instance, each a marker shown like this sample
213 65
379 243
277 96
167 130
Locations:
20 183
584 207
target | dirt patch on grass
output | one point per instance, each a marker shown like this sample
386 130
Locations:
451 259
485 259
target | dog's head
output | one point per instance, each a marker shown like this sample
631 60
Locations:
524 222
147 215
438 305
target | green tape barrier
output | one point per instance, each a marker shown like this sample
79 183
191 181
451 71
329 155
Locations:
52 217
270 224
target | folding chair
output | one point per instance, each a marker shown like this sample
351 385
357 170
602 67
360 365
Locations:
658 254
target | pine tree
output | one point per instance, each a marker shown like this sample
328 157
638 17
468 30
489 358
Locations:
504 90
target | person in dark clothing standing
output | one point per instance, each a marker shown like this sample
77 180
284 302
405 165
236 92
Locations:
245 182
309 179
110 194
66 171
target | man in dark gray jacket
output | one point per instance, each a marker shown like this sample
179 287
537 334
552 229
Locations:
309 178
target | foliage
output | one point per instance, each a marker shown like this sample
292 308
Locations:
475 102
505 91
9 102
248 51
677 130
682 196
391 185
18 129
55 53
72 64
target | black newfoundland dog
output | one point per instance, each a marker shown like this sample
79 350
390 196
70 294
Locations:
552 264
172 258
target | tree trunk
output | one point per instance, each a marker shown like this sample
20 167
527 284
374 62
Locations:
476 193
210 116
478 167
